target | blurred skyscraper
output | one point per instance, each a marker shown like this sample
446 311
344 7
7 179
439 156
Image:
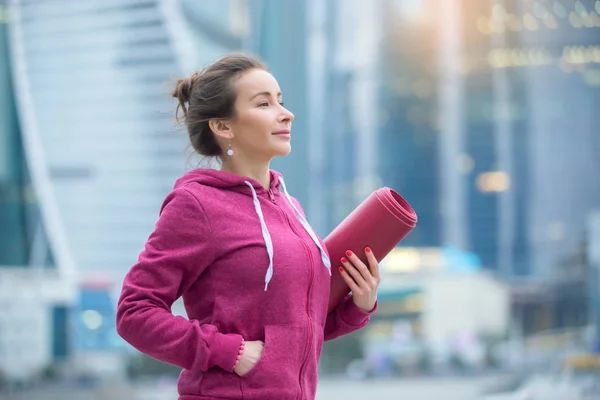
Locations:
16 236
529 137
520 86
90 87
489 126
90 149
562 103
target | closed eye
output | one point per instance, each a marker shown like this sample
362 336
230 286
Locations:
266 104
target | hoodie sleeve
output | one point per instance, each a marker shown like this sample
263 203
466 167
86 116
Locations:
176 253
346 318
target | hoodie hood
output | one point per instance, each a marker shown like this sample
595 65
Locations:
226 180
229 181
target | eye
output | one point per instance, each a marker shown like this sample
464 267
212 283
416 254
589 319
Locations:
281 103
263 104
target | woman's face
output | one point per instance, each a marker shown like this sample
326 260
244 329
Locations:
262 126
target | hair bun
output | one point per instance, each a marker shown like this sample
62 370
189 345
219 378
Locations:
183 90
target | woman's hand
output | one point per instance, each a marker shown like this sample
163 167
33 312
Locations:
362 280
252 352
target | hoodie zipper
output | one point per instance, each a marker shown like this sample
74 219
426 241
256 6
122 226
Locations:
310 282
310 332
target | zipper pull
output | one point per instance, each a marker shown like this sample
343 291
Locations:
271 195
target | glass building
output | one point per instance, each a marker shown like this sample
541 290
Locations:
21 226
30 335
531 88
487 126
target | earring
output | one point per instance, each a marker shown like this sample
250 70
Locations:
229 149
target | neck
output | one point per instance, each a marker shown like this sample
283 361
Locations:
257 171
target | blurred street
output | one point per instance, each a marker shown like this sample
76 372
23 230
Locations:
485 387
410 388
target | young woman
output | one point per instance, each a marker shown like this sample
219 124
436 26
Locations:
236 246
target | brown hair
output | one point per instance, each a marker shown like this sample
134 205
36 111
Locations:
209 94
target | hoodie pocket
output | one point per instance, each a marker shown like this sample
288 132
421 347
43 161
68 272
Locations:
215 383
221 384
276 374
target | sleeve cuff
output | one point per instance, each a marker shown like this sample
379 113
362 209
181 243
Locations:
354 316
224 350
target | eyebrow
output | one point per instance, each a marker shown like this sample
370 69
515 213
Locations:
264 94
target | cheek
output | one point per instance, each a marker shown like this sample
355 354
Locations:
256 123
263 121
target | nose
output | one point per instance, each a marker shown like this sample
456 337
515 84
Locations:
286 115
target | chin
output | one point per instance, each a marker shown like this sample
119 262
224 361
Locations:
282 151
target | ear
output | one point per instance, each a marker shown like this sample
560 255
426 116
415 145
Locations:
221 128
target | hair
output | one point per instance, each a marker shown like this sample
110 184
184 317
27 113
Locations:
209 94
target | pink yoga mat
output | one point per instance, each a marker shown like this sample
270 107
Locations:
380 222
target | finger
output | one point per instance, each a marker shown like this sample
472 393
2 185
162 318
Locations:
373 264
360 266
349 281
354 272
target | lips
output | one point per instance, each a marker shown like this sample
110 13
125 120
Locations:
282 132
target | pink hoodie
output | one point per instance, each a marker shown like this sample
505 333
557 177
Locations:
248 266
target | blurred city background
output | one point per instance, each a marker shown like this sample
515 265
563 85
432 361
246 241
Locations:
483 114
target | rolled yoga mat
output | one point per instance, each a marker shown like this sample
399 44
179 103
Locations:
380 222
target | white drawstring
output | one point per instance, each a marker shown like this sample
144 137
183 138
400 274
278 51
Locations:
265 233
267 236
307 227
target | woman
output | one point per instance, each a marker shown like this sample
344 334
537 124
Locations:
236 246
